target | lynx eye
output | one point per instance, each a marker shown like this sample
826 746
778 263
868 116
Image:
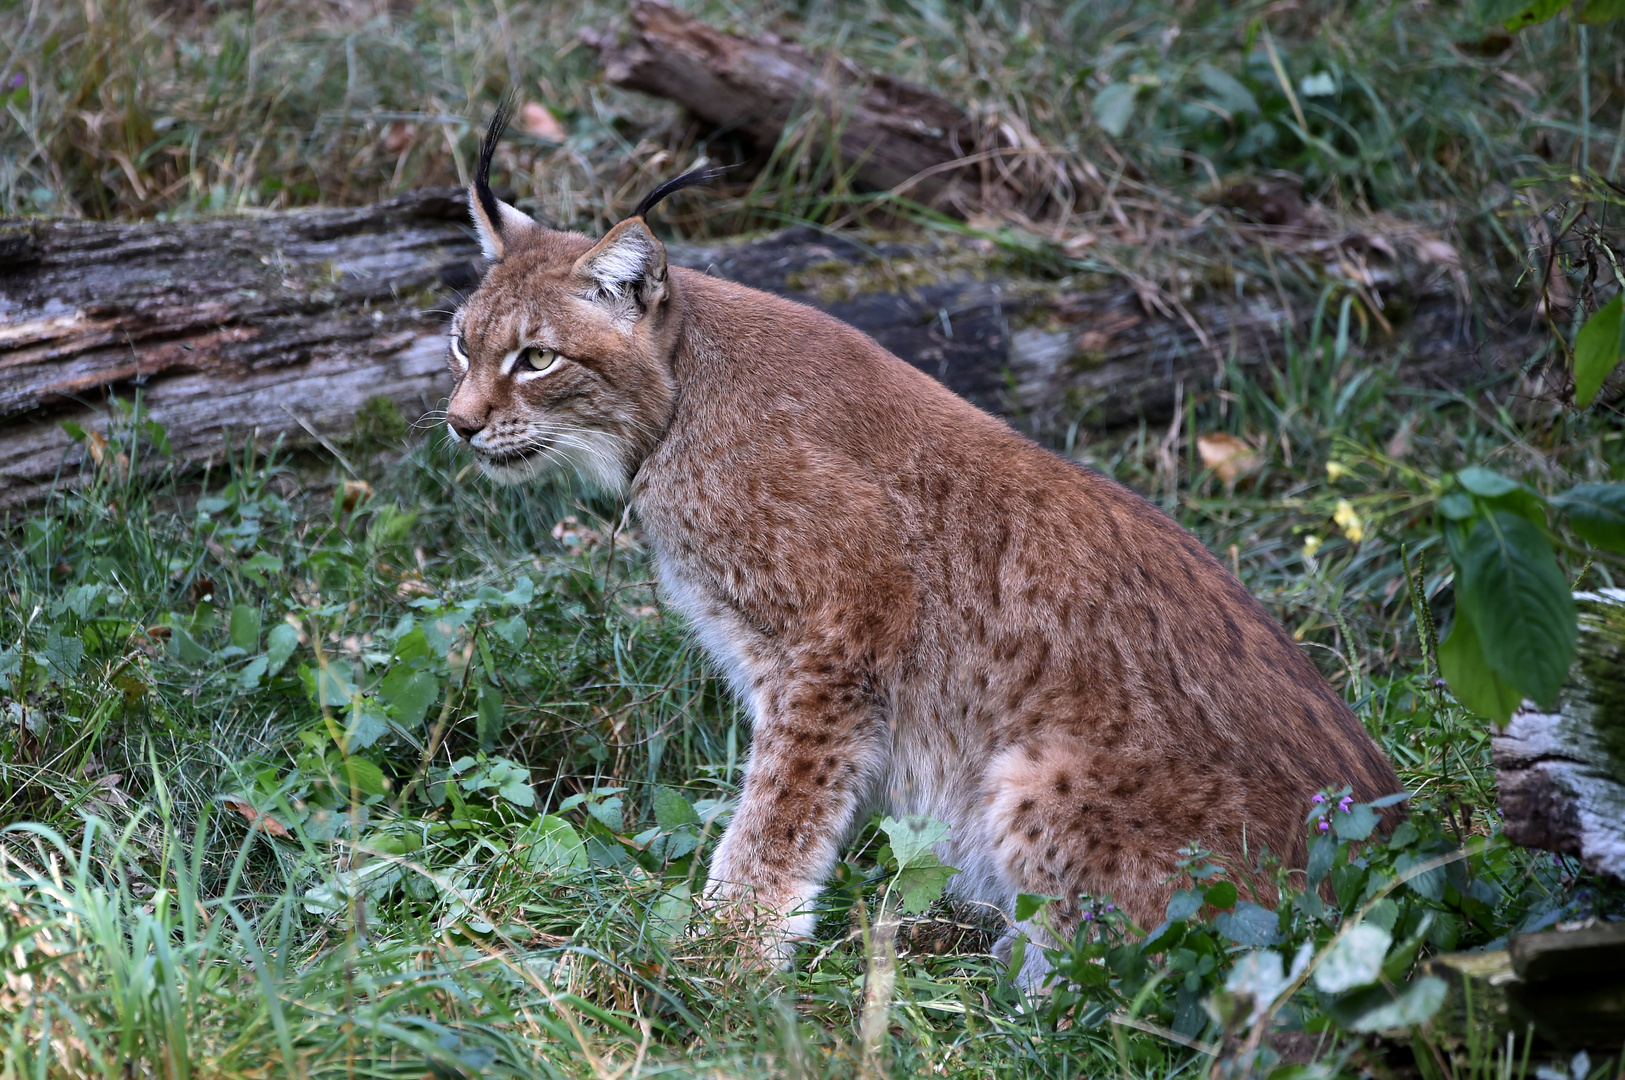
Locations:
459 350
538 359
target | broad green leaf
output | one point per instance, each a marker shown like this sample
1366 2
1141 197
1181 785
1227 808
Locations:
1249 924
279 645
1510 586
1429 883
1600 11
920 885
1222 895
1355 960
518 791
334 684
1030 904
1356 823
672 811
263 561
1114 108
512 630
1483 482
252 672
668 915
1259 976
1597 513
522 593
367 777
1377 1009
1183 904
1598 349
1471 679
608 813
245 627
366 727
1322 856
1457 506
409 694
1531 13
1227 91
913 837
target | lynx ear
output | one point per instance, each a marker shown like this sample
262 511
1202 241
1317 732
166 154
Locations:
495 222
628 264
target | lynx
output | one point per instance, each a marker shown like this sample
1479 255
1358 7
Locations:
921 610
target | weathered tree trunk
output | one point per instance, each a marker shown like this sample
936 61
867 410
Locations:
284 325
1562 773
889 131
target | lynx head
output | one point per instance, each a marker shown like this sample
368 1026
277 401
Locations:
562 355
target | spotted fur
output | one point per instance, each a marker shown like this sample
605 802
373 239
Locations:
922 611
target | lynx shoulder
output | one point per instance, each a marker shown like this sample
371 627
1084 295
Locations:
921 610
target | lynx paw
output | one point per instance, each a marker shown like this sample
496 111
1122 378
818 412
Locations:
769 925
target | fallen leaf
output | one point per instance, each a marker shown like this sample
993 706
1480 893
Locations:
413 587
1226 455
539 123
256 820
355 492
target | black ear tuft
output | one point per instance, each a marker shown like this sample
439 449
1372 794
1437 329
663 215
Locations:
482 175
693 178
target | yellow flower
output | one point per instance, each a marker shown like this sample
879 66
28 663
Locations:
1348 521
1311 544
1335 472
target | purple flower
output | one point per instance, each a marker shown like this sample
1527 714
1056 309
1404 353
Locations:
16 80
1088 915
1325 826
1111 907
1318 799
1347 801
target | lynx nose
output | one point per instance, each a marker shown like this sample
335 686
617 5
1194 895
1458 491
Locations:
465 428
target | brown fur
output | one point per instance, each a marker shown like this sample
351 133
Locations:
922 610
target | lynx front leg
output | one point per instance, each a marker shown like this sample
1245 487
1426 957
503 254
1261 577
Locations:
818 751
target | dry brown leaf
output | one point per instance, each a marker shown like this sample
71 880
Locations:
256 820
1226 455
539 123
355 493
411 587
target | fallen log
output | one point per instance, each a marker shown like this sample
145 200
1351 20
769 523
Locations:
888 132
1561 772
286 325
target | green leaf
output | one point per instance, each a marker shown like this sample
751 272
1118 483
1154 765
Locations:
1114 108
672 811
1227 91
1183 904
279 645
245 627
1491 485
1356 824
1598 349
1355 960
913 837
1377 1009
1030 904
1529 14
1600 11
185 648
252 672
1222 895
1249 924
488 720
1471 679
367 777
1518 600
334 684
668 915
1596 512
365 728
608 813
1322 857
1457 506
263 562
409 694
512 630
921 885
75 432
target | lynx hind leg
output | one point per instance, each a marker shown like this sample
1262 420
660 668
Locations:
1065 820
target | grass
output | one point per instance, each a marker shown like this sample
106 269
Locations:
307 771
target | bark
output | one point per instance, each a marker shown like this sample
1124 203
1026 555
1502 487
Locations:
887 130
284 325
1561 773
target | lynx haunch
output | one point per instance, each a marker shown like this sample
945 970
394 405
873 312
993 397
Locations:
922 611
